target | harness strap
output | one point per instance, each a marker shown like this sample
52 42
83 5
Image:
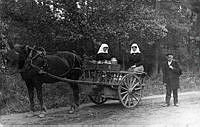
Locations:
30 57
72 65
65 73
41 71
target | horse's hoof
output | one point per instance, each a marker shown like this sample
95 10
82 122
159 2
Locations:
41 115
31 114
73 110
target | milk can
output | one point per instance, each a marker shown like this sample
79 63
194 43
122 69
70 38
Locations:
113 61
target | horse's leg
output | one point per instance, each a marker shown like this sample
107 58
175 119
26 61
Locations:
38 87
75 89
30 88
75 103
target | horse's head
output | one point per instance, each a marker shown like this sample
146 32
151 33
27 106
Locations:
15 58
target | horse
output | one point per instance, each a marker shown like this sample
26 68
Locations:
30 62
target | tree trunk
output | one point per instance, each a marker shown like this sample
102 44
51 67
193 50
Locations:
199 56
157 57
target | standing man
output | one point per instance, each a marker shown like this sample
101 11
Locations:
171 74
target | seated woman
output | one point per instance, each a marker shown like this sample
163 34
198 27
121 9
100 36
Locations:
136 59
102 55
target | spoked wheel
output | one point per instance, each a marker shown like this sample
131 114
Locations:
97 99
130 90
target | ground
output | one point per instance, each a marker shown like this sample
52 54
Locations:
149 112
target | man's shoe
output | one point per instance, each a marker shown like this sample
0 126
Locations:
176 105
73 109
166 105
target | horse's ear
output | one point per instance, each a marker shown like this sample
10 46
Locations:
19 47
26 47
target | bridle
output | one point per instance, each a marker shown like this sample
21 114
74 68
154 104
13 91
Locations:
39 52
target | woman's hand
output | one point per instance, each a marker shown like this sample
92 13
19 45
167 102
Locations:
171 67
133 66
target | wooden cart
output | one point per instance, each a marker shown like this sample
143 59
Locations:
109 82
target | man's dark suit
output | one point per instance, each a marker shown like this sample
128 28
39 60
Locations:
171 78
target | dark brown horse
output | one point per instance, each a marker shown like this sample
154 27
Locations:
30 63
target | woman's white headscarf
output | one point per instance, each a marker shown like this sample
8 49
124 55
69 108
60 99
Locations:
137 48
101 49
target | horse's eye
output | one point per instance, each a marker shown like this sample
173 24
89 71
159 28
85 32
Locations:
13 64
7 60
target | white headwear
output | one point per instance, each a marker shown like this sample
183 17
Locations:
137 48
101 49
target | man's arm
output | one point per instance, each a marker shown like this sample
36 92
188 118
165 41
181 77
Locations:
141 62
176 69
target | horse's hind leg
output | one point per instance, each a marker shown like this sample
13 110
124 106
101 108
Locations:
75 88
75 103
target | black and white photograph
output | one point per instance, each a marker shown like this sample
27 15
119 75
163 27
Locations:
100 63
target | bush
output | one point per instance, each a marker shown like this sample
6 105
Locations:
14 95
188 82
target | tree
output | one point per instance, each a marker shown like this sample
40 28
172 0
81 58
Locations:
69 25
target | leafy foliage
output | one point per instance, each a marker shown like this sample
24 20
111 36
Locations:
56 22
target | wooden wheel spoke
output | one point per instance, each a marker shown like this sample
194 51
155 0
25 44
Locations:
136 89
132 88
132 82
136 93
135 97
135 85
132 100
129 102
124 88
124 92
127 82
124 96
125 85
127 99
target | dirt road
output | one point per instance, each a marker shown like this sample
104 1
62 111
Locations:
148 113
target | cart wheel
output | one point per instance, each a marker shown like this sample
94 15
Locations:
130 90
97 99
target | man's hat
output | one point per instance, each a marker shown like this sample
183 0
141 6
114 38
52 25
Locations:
169 54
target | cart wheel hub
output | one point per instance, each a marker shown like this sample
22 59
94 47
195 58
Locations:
130 90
